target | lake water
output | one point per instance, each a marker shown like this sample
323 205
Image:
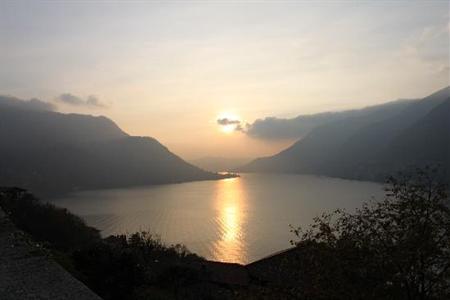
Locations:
233 220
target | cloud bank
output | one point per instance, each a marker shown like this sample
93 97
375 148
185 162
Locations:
273 128
32 104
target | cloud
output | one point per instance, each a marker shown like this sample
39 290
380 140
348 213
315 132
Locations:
273 128
276 128
32 104
70 99
226 121
238 125
94 101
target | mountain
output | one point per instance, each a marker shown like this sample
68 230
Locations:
50 152
427 140
219 164
372 145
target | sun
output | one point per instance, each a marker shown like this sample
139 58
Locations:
228 128
228 122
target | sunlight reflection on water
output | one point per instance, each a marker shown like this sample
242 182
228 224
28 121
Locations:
230 205
234 220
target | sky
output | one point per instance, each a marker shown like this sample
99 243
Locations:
172 69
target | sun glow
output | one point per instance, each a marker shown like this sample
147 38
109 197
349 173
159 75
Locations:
228 128
228 122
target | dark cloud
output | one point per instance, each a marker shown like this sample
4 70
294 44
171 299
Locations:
238 125
298 127
93 101
70 99
277 128
273 128
226 121
32 104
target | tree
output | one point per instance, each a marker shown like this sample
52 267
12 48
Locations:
398 248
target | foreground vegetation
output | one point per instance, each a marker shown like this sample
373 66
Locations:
398 248
117 267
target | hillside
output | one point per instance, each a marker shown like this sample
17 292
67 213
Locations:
372 145
50 152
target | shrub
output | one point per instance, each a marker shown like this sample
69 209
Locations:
398 248
121 266
56 227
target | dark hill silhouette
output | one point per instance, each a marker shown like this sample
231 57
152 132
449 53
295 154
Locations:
371 145
427 141
49 152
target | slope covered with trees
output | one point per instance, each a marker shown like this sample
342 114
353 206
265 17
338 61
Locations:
49 152
372 145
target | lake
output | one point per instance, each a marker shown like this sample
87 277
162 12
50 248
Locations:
232 220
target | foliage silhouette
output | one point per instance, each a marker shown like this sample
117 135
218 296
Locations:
398 248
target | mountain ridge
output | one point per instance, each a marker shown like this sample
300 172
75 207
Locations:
51 153
353 148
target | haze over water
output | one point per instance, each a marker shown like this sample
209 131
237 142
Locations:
233 220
